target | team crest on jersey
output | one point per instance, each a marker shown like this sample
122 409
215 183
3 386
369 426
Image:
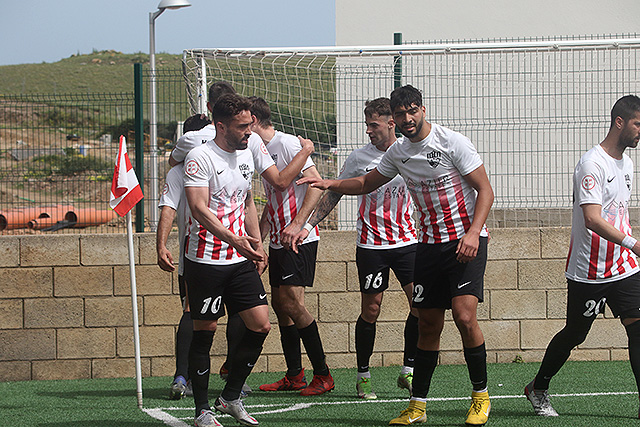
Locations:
434 158
275 158
588 182
245 170
191 168
627 180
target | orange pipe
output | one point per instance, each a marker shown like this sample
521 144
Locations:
19 218
49 218
89 217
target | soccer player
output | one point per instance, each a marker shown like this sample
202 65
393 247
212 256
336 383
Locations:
264 166
172 203
449 184
220 252
292 266
386 240
602 265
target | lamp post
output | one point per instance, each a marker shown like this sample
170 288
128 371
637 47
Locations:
153 125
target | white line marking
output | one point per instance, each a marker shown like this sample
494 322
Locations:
169 420
278 408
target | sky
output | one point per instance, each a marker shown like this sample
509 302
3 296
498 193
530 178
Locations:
35 31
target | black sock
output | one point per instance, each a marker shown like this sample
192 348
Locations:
312 343
410 340
235 330
633 334
246 355
290 339
365 338
426 362
183 342
199 366
559 350
476 359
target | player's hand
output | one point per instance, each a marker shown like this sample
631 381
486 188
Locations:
287 236
307 144
468 246
314 182
261 266
245 247
298 239
165 260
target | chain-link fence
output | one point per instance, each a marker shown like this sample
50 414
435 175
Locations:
57 155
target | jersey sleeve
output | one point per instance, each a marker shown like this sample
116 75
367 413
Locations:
464 155
387 166
350 167
292 149
197 170
261 157
186 143
173 188
588 181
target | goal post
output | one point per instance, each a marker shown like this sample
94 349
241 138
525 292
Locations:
531 107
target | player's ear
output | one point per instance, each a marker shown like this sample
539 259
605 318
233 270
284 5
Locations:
619 122
209 107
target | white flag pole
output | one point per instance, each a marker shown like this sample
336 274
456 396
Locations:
134 310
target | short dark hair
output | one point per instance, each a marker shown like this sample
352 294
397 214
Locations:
405 96
228 106
379 106
260 109
195 122
625 107
219 88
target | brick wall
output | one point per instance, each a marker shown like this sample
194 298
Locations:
65 307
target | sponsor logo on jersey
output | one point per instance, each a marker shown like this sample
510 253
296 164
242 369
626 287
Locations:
263 148
165 189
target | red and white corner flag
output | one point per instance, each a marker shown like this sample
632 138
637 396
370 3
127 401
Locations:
125 189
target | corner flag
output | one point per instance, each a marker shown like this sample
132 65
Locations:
125 189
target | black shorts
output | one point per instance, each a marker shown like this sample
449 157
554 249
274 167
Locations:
374 264
439 276
289 268
212 287
586 300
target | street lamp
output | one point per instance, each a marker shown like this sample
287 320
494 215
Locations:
153 125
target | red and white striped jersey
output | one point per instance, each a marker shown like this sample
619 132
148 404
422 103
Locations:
228 178
601 180
433 170
190 140
384 215
173 196
283 206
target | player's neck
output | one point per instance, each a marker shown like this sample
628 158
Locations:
611 146
223 145
266 134
424 132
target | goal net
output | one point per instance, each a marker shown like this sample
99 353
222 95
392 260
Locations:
531 108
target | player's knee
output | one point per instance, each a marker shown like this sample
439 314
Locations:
370 312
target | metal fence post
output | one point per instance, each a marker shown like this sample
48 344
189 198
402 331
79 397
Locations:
139 129
397 62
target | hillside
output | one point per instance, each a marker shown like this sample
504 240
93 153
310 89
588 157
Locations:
99 72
